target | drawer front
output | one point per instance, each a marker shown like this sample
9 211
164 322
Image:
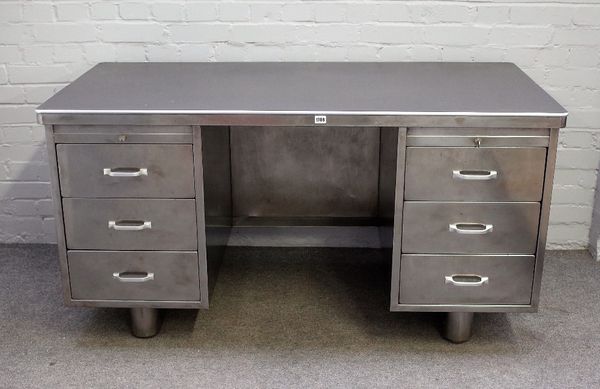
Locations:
448 279
122 134
128 224
132 170
130 275
470 228
474 174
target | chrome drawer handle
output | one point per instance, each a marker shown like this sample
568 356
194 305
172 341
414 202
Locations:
129 225
466 280
133 276
125 172
475 175
471 228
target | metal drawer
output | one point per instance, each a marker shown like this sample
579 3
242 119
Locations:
474 174
470 228
132 170
454 279
131 275
122 134
130 224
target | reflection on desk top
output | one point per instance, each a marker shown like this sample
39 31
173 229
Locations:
392 89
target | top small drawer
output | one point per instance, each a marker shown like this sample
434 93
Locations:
132 170
484 137
474 174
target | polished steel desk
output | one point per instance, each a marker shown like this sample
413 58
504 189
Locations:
448 167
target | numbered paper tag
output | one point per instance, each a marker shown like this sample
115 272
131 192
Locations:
320 119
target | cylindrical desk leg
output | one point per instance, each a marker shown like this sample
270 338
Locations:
458 326
145 322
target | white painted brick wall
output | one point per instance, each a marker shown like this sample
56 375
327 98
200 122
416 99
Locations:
46 44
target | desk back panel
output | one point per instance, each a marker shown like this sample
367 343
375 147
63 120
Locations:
305 171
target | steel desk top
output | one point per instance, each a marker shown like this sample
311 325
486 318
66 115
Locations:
402 93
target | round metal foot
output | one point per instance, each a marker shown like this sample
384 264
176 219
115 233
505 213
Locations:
458 326
145 322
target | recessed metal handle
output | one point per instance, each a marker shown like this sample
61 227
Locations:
466 280
133 276
475 175
129 225
471 228
125 172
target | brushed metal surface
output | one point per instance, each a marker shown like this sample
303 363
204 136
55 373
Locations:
216 161
488 137
426 227
339 119
544 217
458 326
58 215
293 171
308 236
388 161
429 173
212 172
145 322
123 134
169 304
398 88
398 217
521 308
422 279
170 170
388 157
428 93
175 275
173 224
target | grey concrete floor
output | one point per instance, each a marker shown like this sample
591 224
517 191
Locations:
295 318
